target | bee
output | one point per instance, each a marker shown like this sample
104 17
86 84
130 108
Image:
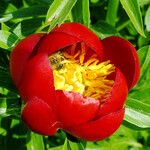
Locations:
57 60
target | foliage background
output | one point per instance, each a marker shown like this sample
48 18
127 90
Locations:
129 19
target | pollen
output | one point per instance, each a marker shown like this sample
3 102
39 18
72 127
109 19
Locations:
88 76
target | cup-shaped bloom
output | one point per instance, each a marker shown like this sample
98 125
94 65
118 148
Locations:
72 80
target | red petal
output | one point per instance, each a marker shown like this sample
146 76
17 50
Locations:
56 41
73 109
117 96
83 33
37 80
100 128
39 117
21 54
124 56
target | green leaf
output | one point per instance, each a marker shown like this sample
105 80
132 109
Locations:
12 106
32 11
4 27
137 112
17 31
66 145
6 82
76 145
103 29
7 39
10 8
3 107
137 118
133 11
86 12
147 19
77 12
24 28
36 142
144 55
69 145
122 139
81 12
112 10
58 12
143 2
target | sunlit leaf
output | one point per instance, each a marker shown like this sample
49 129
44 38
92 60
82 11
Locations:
57 12
143 2
147 19
66 145
138 104
133 11
36 142
112 10
7 39
144 55
76 145
86 12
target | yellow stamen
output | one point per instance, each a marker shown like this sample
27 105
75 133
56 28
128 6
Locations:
89 78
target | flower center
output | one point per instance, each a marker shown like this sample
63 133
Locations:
72 72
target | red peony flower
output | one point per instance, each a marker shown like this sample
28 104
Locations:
71 80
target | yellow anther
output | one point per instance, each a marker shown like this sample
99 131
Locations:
90 61
60 80
88 78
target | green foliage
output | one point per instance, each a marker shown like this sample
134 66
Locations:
57 13
111 16
138 103
147 18
36 142
108 17
133 10
7 39
123 139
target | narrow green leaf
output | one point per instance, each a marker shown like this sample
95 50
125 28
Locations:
56 148
144 55
86 12
32 11
143 2
77 12
3 112
76 145
4 27
137 118
133 11
112 10
58 12
81 12
10 106
36 142
10 8
66 145
6 18
7 39
147 19
24 29
18 31
138 104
